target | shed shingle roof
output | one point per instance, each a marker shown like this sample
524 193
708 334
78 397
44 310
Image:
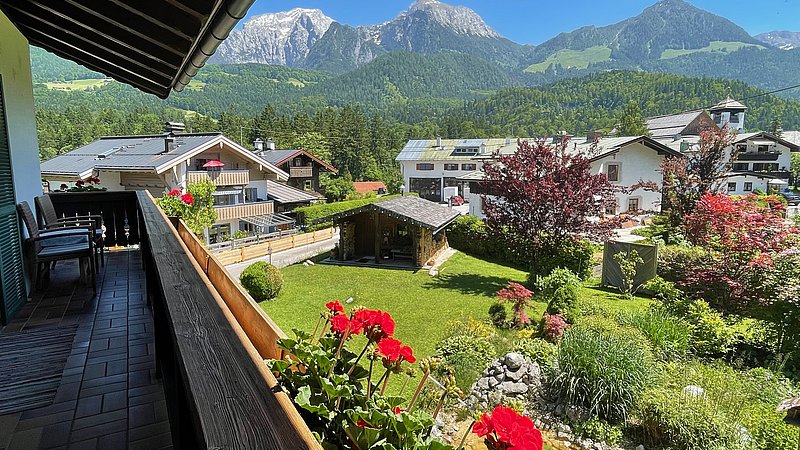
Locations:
420 212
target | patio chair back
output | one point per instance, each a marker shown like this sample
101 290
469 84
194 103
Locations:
29 220
45 207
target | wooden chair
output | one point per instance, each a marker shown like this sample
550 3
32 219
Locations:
58 244
47 212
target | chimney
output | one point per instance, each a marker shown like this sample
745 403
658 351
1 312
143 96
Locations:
270 144
258 145
483 148
174 127
438 141
169 143
592 136
508 140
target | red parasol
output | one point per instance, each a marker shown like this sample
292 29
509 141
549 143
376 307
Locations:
213 163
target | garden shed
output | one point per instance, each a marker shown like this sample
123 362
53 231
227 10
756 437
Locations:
405 230
612 274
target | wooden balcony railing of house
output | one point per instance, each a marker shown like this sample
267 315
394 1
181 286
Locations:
211 338
301 172
244 210
220 177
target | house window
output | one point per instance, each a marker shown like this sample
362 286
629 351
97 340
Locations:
307 185
250 195
734 118
465 151
611 210
451 167
741 167
612 171
765 167
633 204
748 186
732 186
763 148
741 148
424 166
469 167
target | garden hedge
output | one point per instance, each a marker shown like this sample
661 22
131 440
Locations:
308 214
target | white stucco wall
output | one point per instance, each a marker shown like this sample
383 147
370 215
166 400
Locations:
637 162
740 180
15 71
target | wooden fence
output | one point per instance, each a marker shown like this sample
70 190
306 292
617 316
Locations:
277 245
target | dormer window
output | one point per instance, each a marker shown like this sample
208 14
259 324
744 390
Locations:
465 151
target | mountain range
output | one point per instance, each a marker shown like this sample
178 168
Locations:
447 54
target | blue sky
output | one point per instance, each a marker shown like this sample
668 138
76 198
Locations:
535 21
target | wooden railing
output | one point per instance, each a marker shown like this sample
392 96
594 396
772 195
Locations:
118 208
244 210
249 240
220 177
270 247
211 341
301 172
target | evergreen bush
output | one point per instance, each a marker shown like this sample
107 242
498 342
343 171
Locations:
262 281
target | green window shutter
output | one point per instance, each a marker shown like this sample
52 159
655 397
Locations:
12 277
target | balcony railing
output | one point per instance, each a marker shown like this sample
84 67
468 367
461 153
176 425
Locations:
758 156
244 210
220 177
211 338
301 172
119 211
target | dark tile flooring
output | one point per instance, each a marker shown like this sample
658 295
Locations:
109 397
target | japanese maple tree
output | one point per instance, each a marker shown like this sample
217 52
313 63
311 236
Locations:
543 195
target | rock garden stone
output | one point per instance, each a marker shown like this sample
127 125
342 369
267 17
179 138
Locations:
509 377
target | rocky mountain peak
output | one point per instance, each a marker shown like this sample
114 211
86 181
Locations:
459 19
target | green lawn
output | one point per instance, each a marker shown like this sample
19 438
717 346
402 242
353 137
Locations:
420 304
579 59
714 46
78 85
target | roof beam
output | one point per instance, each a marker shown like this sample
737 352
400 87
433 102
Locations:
164 17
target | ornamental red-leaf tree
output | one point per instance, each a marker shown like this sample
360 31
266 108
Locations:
543 195
701 170
741 234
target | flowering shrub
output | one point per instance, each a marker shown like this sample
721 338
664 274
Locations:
553 327
505 429
336 396
520 298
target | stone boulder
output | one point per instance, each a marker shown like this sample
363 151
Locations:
509 377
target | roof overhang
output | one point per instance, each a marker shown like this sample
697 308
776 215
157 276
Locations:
310 155
763 136
222 139
647 142
155 46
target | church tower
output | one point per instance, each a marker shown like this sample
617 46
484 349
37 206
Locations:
729 112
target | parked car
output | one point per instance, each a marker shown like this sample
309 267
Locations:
791 198
456 200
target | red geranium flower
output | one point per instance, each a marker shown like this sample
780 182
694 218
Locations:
397 410
340 323
377 324
187 198
389 348
407 354
174 192
79 183
506 429
335 307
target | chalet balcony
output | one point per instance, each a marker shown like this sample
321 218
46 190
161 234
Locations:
169 353
758 156
301 172
220 177
231 212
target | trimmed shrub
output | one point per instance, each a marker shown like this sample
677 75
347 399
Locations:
560 290
711 335
574 255
308 214
499 315
466 356
262 281
670 296
668 335
675 262
537 350
603 371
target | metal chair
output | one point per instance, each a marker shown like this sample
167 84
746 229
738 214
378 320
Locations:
47 212
59 244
